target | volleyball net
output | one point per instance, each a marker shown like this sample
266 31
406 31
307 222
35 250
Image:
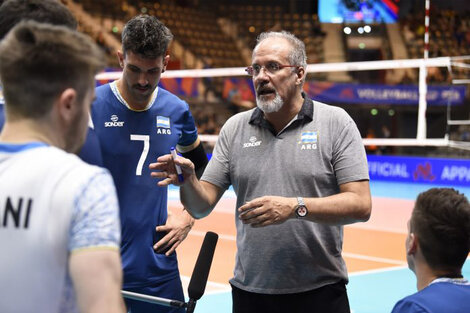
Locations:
449 99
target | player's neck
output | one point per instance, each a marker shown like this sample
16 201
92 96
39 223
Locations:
426 275
24 131
130 101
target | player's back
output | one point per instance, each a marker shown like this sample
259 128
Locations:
39 186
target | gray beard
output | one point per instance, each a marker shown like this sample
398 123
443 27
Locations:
270 106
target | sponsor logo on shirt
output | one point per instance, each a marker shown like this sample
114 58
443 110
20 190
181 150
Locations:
308 140
114 122
163 125
253 142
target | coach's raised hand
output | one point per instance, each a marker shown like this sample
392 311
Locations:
165 170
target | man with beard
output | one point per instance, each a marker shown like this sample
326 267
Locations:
437 246
300 173
135 122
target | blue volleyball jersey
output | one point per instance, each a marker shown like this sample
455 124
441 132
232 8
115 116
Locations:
448 295
129 141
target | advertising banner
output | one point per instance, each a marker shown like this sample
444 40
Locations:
382 94
421 170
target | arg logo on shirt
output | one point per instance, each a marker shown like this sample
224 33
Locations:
114 122
163 125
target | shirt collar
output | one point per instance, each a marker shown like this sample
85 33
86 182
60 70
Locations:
117 93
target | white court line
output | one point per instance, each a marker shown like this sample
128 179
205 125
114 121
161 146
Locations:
379 270
376 228
372 258
220 288
224 288
209 283
345 254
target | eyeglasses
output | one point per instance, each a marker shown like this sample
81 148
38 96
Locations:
271 68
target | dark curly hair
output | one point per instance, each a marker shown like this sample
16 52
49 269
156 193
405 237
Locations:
147 36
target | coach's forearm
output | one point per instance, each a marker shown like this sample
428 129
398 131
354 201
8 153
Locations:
199 198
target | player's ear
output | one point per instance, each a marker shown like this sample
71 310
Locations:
66 104
166 59
411 244
120 56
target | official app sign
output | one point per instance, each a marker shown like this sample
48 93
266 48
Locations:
422 170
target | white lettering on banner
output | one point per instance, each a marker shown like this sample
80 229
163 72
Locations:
451 95
461 173
397 94
377 94
387 169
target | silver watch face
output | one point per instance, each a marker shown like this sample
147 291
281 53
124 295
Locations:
301 211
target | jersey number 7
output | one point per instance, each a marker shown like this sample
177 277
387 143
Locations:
145 151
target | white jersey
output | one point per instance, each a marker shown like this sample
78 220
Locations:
51 204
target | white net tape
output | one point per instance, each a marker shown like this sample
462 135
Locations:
311 68
421 64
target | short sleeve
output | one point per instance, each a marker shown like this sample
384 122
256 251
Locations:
349 155
217 171
189 130
95 218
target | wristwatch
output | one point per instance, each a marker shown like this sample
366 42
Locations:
301 210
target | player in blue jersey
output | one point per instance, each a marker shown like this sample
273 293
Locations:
136 122
437 246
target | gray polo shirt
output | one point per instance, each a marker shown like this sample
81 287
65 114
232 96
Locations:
319 150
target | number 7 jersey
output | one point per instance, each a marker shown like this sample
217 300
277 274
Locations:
129 141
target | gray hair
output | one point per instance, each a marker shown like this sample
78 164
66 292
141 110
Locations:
298 56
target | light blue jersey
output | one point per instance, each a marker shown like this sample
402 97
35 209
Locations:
51 205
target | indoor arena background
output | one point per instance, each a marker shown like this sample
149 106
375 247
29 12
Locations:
409 150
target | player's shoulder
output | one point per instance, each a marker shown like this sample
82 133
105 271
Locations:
164 96
104 100
102 92
67 163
